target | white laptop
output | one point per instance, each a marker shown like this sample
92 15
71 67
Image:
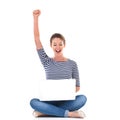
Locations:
52 90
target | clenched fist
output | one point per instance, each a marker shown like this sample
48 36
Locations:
36 13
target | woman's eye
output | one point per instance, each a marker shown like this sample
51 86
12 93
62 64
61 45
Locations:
60 44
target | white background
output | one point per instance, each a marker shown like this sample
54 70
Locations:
92 32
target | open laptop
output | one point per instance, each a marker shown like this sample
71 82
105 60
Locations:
52 90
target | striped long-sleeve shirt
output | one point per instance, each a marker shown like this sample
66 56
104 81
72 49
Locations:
59 69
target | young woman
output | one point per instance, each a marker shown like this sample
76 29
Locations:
58 67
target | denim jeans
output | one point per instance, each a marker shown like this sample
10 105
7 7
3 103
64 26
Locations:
58 108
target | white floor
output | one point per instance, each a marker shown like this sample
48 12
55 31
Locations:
57 118
52 118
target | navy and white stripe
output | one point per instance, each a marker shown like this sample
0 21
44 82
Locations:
59 70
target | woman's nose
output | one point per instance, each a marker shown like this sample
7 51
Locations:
57 47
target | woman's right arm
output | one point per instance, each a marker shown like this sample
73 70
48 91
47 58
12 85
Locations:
38 43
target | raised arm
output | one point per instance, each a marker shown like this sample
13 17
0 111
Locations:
38 43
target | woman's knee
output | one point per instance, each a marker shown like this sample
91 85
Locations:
33 101
82 99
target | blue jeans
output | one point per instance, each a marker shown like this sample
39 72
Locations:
58 108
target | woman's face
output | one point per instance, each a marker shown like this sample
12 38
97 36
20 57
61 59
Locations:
57 45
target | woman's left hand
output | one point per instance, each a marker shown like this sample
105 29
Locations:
77 88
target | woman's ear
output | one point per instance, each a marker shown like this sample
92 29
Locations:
64 45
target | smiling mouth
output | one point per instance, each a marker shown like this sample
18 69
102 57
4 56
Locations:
57 51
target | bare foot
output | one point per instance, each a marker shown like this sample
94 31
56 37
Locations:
76 114
38 114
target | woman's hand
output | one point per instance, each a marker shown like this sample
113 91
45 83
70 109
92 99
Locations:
38 43
77 89
36 13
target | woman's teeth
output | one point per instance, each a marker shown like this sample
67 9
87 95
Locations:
58 51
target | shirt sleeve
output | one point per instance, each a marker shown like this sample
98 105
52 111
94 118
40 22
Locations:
43 57
75 74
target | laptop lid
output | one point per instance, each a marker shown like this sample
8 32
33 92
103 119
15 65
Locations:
52 90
